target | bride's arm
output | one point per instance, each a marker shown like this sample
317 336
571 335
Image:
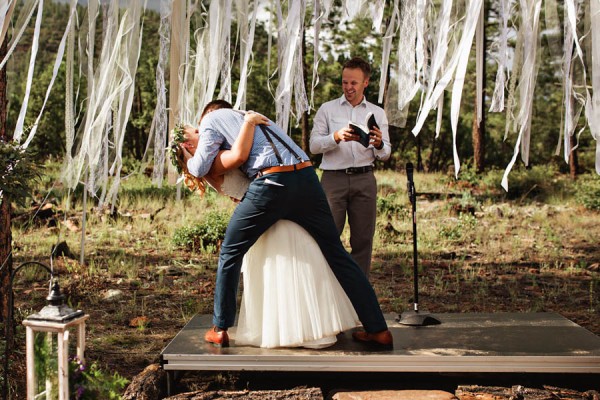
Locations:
240 150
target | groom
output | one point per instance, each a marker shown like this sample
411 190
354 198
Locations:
284 186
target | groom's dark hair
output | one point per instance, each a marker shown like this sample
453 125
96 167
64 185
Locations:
215 105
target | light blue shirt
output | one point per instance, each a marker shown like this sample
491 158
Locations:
218 131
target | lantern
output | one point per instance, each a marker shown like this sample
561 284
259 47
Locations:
55 318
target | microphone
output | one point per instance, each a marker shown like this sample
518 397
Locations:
409 171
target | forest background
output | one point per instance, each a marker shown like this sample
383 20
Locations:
339 42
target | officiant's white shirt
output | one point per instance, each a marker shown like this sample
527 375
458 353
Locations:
335 115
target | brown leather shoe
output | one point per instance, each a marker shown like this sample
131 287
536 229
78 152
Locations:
217 337
383 338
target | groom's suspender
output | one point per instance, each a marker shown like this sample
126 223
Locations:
268 132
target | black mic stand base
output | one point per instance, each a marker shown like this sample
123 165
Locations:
417 318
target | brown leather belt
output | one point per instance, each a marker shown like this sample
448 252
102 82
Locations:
285 168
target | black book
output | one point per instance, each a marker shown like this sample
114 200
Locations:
363 130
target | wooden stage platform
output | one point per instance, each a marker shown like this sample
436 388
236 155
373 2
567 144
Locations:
462 343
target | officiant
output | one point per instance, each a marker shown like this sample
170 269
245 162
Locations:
348 179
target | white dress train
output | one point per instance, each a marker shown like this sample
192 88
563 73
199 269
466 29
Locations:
291 297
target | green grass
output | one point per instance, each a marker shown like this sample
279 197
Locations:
480 249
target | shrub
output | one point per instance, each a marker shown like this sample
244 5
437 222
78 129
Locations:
19 171
90 382
390 205
466 204
206 236
86 382
539 182
588 192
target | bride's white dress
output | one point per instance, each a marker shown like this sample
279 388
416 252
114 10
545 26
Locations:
291 297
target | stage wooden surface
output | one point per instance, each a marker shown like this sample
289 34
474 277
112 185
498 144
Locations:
464 343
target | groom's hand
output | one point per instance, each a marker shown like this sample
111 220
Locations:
190 136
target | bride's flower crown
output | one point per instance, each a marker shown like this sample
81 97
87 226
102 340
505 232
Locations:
175 149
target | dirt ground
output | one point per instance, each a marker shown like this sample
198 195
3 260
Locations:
127 331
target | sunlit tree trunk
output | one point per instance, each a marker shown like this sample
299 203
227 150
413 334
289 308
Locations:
478 132
478 135
5 223
573 159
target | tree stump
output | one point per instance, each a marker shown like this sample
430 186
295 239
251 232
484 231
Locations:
150 384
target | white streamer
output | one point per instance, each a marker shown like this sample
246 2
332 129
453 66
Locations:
59 56
6 10
407 74
457 67
34 48
530 10
24 18
593 102
290 49
387 48
246 42
159 129
497 104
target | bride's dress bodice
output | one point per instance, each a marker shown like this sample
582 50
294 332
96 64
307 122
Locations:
235 184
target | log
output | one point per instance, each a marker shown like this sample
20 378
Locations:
290 394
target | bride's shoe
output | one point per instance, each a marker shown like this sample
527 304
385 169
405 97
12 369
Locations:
322 343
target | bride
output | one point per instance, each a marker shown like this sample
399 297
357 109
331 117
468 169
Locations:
291 297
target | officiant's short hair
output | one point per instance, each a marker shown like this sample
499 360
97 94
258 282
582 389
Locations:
359 63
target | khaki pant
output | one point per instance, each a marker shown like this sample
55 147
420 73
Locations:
354 196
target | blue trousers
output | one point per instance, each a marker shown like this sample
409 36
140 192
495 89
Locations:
298 197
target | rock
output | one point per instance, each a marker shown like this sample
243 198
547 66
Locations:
113 295
475 392
150 384
395 395
62 249
169 270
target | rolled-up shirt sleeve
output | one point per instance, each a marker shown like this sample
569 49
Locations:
385 152
209 144
321 140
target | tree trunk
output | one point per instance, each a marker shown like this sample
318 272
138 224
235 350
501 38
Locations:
477 135
305 128
419 156
478 132
573 159
139 131
5 210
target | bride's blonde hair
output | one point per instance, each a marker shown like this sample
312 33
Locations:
195 184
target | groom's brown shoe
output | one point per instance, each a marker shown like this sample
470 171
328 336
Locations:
383 338
217 336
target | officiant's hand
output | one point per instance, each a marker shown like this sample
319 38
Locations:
376 138
345 135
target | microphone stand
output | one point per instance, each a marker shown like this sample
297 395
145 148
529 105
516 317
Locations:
415 317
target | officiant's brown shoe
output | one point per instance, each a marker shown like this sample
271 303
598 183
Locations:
383 338
217 336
